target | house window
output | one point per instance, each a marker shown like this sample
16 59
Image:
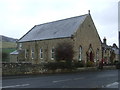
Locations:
26 53
80 53
52 53
32 53
105 50
20 46
41 53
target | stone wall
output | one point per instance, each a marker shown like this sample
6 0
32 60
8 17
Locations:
16 69
21 68
85 36
46 45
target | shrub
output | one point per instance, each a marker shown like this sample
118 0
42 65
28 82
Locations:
51 66
89 64
78 64
115 62
57 65
118 65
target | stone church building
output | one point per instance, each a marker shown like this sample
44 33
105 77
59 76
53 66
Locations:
38 44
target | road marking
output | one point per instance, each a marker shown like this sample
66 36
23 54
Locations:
78 78
22 85
67 80
62 80
113 84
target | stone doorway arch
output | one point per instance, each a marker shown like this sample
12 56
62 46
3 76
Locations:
90 54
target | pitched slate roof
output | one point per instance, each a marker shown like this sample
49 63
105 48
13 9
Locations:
116 51
57 29
14 52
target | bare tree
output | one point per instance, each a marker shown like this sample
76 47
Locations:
64 51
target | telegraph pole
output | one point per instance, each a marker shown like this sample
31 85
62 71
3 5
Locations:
119 27
119 45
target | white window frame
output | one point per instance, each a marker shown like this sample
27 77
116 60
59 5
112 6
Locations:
20 46
80 53
32 53
41 53
53 53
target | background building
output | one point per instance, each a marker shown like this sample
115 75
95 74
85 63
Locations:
110 54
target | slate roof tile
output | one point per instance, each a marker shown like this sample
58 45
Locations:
57 29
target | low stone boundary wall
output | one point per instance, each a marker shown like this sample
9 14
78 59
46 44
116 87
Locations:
29 69
21 68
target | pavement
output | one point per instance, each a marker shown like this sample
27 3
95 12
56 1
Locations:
89 79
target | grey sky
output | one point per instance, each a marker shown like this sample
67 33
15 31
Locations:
17 17
119 16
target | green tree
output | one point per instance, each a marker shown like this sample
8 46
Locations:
5 56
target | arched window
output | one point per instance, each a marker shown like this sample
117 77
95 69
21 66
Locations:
53 53
41 53
80 53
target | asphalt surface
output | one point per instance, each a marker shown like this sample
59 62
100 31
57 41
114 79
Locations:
91 79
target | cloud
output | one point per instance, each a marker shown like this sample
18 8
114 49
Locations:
119 16
105 17
21 15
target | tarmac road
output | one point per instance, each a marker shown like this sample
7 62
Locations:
91 79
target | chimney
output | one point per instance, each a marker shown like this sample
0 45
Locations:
104 41
89 12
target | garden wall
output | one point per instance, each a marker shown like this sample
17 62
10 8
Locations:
21 68
32 69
